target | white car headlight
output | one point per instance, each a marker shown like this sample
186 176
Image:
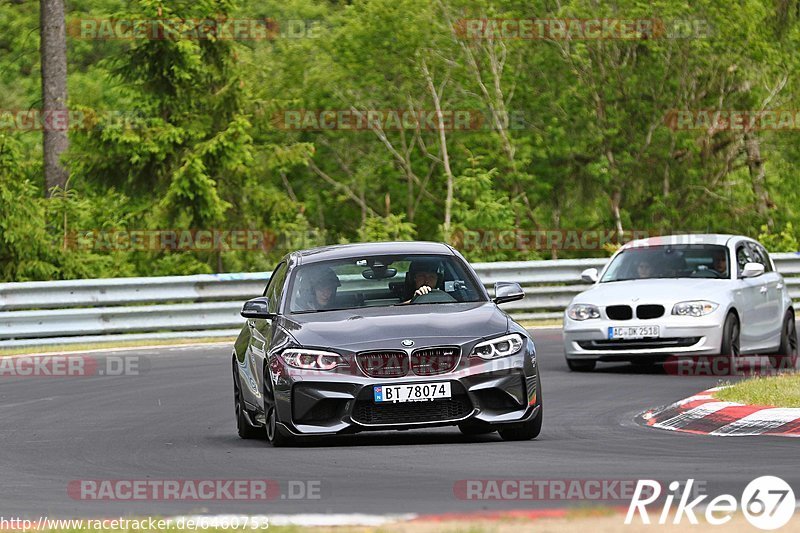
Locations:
694 308
499 347
312 359
583 311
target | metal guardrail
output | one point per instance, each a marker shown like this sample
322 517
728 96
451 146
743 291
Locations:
81 311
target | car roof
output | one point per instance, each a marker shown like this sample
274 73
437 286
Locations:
344 251
720 239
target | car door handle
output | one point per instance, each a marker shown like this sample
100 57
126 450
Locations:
763 289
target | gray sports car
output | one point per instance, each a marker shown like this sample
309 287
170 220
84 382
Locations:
381 336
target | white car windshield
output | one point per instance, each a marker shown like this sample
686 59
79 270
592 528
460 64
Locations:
669 261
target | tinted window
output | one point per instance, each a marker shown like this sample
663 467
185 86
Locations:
669 261
380 281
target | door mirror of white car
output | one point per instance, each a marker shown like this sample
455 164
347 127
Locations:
752 270
589 275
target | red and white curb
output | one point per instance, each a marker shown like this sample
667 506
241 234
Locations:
704 414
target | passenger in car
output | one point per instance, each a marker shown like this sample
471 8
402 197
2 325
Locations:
645 269
320 291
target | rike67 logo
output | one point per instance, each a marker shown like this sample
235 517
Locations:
767 502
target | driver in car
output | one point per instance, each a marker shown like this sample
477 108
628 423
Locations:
720 264
424 276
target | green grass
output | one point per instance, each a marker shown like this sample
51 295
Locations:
61 348
550 322
776 391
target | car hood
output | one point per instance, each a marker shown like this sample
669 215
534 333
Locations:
385 327
654 291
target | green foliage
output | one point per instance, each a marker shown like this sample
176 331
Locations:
26 249
388 228
785 241
185 263
185 134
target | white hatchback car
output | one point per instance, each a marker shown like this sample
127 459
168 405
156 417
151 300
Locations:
678 295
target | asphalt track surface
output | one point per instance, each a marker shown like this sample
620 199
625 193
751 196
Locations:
174 420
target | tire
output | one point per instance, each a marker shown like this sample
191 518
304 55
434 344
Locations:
576 365
730 338
275 435
786 358
526 431
476 429
243 427
272 429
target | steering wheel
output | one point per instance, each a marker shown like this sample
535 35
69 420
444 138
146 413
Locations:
706 273
435 296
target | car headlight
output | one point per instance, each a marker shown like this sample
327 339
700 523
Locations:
499 347
694 308
305 359
583 311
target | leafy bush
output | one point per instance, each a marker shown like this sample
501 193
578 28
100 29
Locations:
785 241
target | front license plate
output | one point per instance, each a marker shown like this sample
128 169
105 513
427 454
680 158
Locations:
416 392
633 332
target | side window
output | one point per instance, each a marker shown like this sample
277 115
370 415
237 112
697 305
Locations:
742 258
760 255
275 287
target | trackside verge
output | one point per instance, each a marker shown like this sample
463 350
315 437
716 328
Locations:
704 414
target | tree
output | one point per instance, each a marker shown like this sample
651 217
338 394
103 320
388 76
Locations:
54 91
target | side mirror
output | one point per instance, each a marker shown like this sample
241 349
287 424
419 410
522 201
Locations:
590 275
257 308
752 270
505 291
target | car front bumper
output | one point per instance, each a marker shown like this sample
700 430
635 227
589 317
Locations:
588 339
501 391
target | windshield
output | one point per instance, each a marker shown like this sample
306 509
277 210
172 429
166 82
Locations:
379 281
669 261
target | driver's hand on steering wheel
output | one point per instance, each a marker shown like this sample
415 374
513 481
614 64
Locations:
422 290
